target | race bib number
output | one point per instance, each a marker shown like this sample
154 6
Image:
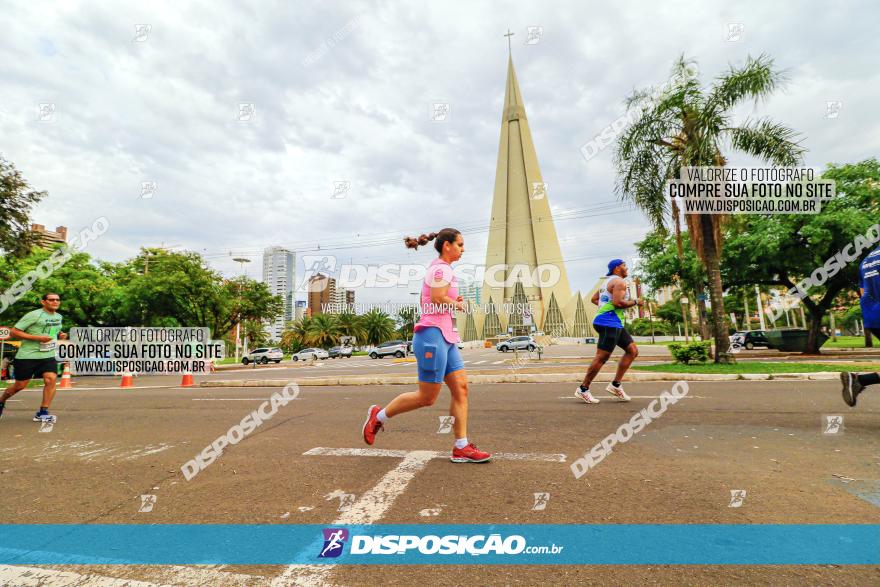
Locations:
48 346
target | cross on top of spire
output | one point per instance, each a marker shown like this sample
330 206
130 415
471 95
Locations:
508 35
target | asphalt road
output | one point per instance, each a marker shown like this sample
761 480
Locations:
110 447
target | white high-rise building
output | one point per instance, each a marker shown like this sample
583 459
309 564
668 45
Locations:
344 301
279 269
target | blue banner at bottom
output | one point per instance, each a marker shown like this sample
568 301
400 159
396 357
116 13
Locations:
423 544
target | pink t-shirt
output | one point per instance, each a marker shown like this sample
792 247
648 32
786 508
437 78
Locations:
439 273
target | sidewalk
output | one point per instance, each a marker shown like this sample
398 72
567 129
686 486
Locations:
508 377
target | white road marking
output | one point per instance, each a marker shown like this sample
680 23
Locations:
384 452
369 509
149 450
28 576
497 362
373 504
479 362
632 396
231 399
170 575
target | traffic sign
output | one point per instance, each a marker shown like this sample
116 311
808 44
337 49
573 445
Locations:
5 333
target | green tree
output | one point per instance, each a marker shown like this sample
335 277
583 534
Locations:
166 288
670 312
250 300
323 331
86 290
295 333
351 324
16 201
255 332
783 249
406 321
686 125
378 326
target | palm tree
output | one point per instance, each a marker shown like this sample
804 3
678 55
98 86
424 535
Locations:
323 330
378 326
686 125
350 324
296 334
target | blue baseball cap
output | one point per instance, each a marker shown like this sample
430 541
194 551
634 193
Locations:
613 264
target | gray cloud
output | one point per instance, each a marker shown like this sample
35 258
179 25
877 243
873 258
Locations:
165 110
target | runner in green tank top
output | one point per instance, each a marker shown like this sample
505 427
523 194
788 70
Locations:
612 299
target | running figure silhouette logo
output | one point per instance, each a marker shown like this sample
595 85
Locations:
334 541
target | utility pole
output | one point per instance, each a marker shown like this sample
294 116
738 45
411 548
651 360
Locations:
746 308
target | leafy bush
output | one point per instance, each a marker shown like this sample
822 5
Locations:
642 327
691 352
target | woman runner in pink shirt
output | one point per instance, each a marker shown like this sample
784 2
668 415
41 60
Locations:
435 344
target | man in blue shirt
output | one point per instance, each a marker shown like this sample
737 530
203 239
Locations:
869 283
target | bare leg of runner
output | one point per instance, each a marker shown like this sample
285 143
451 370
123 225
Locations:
632 351
458 408
49 382
413 400
598 362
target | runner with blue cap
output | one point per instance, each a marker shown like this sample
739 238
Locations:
612 299
869 287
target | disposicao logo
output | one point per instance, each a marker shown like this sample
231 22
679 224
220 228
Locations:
334 541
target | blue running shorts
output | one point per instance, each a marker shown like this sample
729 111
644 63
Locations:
436 358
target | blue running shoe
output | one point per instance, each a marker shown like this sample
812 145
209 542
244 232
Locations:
43 415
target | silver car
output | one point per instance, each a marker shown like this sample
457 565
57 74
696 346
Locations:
310 353
263 356
517 343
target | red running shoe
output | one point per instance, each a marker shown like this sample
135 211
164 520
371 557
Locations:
469 454
372 425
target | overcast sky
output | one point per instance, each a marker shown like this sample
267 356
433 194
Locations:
344 92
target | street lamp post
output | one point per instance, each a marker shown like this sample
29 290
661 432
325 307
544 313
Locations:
241 261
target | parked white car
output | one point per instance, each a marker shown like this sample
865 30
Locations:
263 356
396 348
310 353
520 343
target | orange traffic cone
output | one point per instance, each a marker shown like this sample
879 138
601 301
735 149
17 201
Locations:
66 381
187 380
127 379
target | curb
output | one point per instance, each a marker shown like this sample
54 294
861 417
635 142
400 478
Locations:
525 378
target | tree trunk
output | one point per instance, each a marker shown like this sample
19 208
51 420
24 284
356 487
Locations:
816 314
676 222
704 322
685 318
716 291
